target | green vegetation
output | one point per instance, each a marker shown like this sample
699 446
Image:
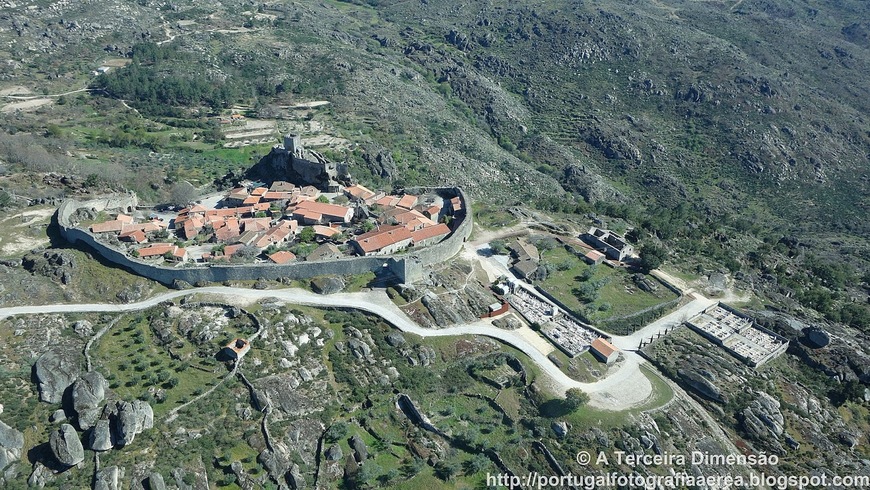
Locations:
150 357
493 216
597 292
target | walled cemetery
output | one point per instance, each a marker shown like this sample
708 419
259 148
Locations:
567 333
738 334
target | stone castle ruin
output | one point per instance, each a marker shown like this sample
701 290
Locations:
295 163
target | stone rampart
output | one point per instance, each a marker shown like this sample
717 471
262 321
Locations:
408 266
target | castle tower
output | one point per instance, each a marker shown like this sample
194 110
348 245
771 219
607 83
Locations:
293 145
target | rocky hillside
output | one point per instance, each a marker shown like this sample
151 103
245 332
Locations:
694 121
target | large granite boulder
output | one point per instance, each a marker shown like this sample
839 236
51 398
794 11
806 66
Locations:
817 337
11 442
55 370
131 419
101 436
66 446
109 478
87 395
327 284
276 462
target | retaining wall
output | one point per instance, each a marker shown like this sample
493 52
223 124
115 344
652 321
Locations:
408 266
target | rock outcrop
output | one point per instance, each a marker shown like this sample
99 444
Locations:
702 385
87 395
327 284
109 478
100 438
276 462
155 482
334 453
66 446
762 419
131 419
11 442
560 428
360 451
55 264
55 370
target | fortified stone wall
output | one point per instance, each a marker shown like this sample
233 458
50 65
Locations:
407 267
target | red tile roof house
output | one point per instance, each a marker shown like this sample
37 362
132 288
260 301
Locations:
430 235
323 232
156 250
313 212
135 236
179 254
407 201
282 257
327 251
124 218
432 212
255 224
227 232
594 257
388 201
282 186
113 226
413 220
231 250
386 240
247 238
275 236
273 196
310 191
604 350
237 195
361 193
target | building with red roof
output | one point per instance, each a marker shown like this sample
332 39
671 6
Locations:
386 240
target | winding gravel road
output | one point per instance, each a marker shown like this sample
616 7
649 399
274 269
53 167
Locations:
625 387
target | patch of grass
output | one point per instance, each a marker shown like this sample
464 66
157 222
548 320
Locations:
509 400
617 295
357 282
129 356
493 216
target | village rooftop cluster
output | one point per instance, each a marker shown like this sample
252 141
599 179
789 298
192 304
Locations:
283 223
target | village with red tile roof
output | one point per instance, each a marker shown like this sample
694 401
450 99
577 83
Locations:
282 223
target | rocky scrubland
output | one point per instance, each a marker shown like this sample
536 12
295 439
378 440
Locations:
731 139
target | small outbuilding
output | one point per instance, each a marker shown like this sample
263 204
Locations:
594 257
233 351
604 351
